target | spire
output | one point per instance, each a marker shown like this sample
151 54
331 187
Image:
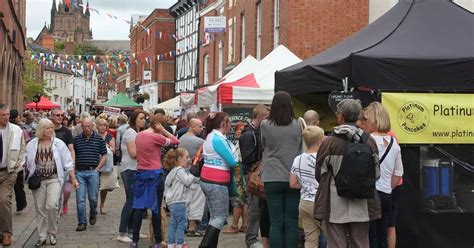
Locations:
53 8
88 13
53 13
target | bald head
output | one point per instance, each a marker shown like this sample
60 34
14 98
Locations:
87 126
311 118
195 126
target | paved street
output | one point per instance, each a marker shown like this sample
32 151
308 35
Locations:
103 234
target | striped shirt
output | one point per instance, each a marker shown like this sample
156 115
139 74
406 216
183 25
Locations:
88 151
304 167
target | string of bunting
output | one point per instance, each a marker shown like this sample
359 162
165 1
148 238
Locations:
64 61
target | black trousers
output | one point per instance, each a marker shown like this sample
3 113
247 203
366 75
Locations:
20 195
138 215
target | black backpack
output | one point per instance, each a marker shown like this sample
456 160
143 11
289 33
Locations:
356 176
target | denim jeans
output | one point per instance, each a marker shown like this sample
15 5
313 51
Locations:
217 197
177 223
283 210
88 184
126 223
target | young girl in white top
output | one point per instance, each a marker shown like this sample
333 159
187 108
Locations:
376 121
302 176
176 189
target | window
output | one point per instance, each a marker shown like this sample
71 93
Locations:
276 27
235 38
231 41
206 69
221 59
242 37
259 30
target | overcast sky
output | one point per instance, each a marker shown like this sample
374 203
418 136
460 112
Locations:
103 28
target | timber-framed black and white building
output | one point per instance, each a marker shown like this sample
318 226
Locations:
186 14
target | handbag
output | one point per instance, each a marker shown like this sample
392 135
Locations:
197 163
255 184
109 164
108 180
34 182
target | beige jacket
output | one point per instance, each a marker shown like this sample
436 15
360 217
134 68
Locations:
15 148
329 206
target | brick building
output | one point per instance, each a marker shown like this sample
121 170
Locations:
150 38
12 51
256 27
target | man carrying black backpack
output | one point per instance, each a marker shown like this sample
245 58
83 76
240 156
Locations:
347 167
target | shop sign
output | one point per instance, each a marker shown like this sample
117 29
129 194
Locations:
335 97
147 75
214 24
431 118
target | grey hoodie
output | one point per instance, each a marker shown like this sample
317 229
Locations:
177 185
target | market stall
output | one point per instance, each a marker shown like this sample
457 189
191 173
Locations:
258 86
172 106
207 96
250 82
43 104
120 101
418 59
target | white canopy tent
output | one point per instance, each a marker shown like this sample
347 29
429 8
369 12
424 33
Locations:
170 105
280 58
208 95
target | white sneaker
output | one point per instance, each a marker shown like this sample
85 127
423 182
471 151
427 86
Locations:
124 239
143 236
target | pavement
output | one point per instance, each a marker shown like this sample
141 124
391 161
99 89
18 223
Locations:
102 235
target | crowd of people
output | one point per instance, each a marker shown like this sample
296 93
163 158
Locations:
333 190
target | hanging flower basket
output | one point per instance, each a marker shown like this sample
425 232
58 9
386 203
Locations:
140 99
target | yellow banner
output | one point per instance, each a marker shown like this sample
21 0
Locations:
431 118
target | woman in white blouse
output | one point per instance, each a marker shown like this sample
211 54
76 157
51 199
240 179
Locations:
376 121
48 158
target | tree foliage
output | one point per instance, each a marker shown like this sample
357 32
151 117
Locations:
33 83
59 46
86 49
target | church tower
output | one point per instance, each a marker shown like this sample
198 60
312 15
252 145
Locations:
69 21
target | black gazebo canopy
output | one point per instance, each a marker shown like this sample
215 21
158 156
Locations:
418 45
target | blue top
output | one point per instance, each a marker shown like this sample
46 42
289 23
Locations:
89 151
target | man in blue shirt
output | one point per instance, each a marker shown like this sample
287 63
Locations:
91 154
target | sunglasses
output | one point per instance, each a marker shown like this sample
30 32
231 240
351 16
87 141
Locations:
59 115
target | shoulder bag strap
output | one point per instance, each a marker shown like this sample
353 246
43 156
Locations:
386 151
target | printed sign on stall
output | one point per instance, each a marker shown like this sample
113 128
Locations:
237 115
431 118
111 111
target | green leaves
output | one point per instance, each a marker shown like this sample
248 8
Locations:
33 83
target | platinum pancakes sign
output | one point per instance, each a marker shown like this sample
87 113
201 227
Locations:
413 117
